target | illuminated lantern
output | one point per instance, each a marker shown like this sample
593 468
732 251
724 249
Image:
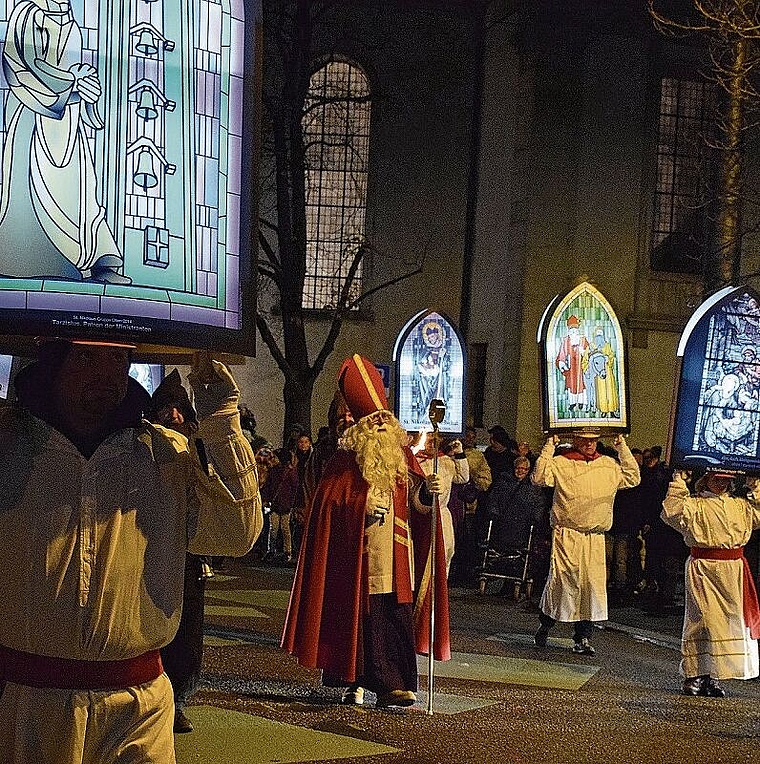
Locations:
140 230
583 370
716 418
429 358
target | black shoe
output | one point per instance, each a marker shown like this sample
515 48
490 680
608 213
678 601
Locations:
694 685
584 647
541 637
181 722
713 689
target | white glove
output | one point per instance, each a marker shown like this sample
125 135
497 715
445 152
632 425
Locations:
457 447
215 391
551 442
619 440
433 483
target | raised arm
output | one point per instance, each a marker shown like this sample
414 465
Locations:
543 472
630 467
230 517
675 501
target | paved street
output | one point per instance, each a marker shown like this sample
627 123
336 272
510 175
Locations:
499 700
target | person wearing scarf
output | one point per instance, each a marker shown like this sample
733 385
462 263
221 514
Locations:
585 483
721 615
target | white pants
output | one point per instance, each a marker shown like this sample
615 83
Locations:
277 523
46 726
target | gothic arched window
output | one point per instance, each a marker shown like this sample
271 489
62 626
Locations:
336 133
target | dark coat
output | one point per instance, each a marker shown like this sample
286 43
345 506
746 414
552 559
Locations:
514 505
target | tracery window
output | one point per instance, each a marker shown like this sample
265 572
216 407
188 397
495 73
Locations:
336 125
685 122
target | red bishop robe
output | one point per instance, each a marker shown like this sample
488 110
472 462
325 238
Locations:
572 355
323 626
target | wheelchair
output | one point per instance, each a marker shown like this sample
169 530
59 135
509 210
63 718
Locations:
508 565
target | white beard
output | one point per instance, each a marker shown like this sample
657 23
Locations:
379 454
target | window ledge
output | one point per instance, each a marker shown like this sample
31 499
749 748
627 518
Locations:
327 315
314 314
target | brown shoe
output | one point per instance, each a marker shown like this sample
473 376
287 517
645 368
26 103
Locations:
396 698
181 722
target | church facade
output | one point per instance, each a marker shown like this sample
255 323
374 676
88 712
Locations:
513 155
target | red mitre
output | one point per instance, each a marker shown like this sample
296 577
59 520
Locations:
362 387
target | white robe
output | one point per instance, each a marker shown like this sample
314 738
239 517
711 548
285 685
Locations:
715 638
576 589
449 471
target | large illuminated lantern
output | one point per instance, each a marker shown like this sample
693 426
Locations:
429 357
128 145
582 358
716 417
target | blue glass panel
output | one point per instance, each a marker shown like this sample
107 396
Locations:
717 420
429 364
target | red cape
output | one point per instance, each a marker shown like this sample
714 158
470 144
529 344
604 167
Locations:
323 626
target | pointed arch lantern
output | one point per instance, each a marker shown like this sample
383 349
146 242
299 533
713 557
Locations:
716 413
584 380
429 357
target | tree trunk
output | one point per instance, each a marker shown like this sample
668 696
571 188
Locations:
724 256
297 393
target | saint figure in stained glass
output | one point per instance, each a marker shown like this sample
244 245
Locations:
51 222
429 365
582 363
717 418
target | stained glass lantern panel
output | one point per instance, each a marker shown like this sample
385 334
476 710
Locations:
716 419
429 357
581 351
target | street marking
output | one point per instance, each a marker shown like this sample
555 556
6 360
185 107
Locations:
561 643
495 668
229 737
450 705
212 641
277 599
220 578
244 611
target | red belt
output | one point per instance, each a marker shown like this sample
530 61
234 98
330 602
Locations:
70 674
749 593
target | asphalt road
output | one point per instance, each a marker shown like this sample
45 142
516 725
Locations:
500 699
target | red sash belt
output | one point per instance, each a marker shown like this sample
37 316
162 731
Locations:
749 594
69 674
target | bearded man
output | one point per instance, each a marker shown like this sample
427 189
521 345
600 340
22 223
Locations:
352 609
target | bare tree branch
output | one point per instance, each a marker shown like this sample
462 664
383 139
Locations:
271 343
